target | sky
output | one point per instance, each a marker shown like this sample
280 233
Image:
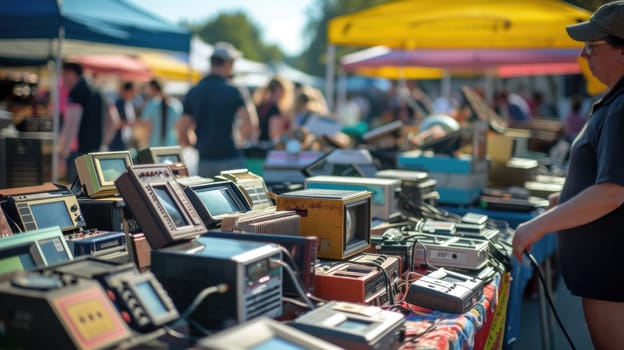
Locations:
281 21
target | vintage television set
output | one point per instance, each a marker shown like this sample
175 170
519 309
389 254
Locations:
301 248
161 155
216 199
159 205
45 209
340 219
252 185
249 269
98 171
264 333
33 249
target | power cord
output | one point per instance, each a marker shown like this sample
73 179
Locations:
219 288
389 288
549 297
296 281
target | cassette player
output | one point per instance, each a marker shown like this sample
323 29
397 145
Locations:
449 251
92 241
390 263
445 291
353 326
350 281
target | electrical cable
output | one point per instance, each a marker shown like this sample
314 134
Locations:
549 297
296 281
389 289
219 288
416 241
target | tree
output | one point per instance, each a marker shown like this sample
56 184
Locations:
239 30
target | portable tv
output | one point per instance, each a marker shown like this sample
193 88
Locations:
264 333
217 199
47 209
98 171
159 205
384 191
340 219
301 248
33 249
161 155
253 187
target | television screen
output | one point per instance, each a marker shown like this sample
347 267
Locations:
218 201
112 168
353 325
51 214
168 159
356 224
164 197
16 259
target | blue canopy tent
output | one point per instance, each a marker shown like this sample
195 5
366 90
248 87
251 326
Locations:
42 30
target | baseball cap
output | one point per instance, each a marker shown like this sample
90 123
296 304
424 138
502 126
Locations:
226 51
607 20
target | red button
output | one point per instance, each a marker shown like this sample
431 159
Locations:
126 317
111 295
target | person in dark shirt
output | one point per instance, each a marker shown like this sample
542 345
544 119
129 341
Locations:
218 116
273 102
128 115
84 118
588 214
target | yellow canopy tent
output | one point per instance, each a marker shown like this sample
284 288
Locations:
168 68
455 24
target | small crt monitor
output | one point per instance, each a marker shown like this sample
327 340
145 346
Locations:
264 334
216 199
33 249
98 171
161 155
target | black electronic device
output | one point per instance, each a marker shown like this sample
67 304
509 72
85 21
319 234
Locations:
215 199
161 155
108 214
445 291
159 204
34 211
42 311
512 204
139 297
33 249
301 248
98 171
263 334
340 219
254 281
353 326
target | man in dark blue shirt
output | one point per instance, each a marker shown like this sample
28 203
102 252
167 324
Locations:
218 116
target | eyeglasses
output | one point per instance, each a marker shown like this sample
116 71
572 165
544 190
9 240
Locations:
589 47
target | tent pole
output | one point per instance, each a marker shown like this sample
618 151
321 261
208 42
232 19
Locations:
56 116
446 84
341 91
329 76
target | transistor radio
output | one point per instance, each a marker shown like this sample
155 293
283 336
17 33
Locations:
445 291
349 281
445 251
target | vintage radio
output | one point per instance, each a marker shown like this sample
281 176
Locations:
301 248
94 241
45 209
350 281
283 222
390 263
383 191
353 326
340 219
159 204
448 251
252 185
140 296
215 200
39 311
161 155
254 280
98 171
446 291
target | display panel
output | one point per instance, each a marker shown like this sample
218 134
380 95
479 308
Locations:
353 325
218 201
150 299
277 343
168 159
53 251
356 225
170 206
51 214
112 168
16 261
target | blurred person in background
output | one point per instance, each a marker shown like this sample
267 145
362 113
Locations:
159 117
588 214
218 116
575 120
127 116
273 106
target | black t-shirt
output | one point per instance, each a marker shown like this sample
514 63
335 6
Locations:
266 111
213 103
90 130
590 254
